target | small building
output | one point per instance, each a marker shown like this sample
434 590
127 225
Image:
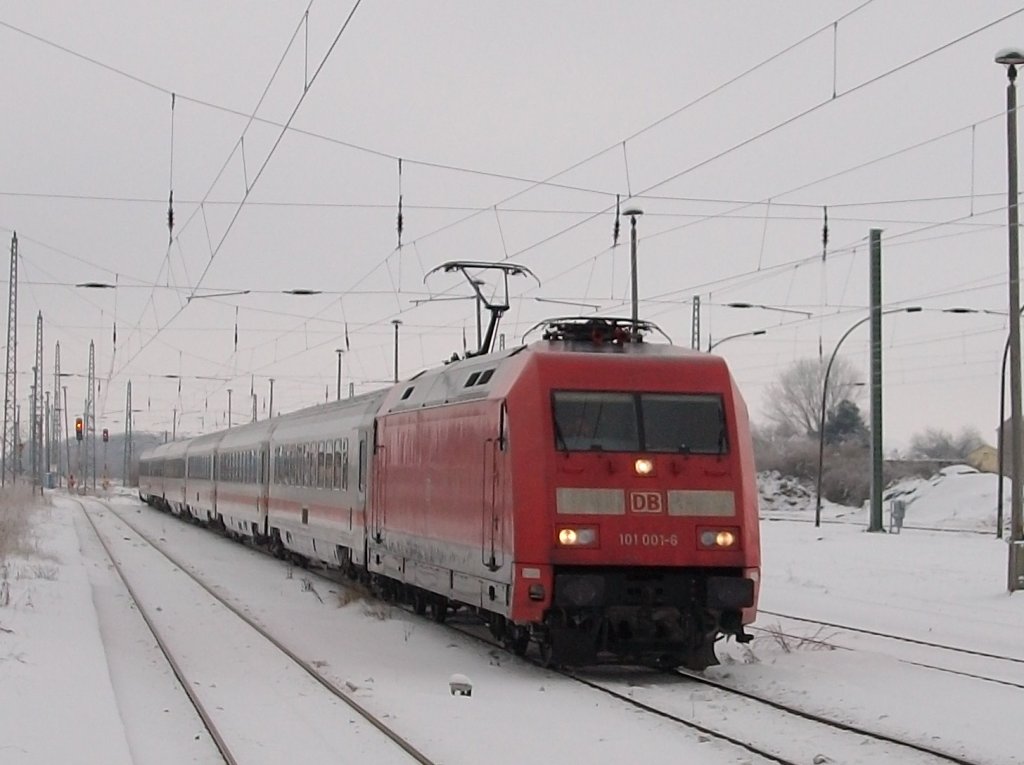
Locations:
984 459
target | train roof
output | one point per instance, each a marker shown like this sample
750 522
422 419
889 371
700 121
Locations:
478 377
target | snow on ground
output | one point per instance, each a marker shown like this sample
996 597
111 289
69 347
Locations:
77 686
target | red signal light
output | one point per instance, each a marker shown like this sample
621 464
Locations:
79 428
106 435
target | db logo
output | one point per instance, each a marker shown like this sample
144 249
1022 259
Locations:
646 502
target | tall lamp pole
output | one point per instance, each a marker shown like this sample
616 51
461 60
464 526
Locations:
633 213
1011 58
824 401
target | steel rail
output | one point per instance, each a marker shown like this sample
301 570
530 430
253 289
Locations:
310 670
211 727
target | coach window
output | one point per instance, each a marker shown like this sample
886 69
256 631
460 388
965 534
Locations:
362 465
328 480
344 464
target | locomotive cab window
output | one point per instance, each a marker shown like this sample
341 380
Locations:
682 423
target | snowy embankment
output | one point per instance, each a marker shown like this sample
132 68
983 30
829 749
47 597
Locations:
956 498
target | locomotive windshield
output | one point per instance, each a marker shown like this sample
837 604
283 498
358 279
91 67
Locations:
684 423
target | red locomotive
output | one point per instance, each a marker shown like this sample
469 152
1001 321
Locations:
592 492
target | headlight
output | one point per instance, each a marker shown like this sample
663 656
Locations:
643 466
577 536
719 539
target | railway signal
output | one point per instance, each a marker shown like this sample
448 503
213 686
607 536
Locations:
79 428
106 435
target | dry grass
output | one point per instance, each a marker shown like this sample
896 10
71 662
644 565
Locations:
819 641
16 504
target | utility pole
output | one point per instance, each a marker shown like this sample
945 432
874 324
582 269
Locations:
57 409
340 353
67 441
90 419
33 447
47 438
875 522
128 435
397 323
37 407
633 213
229 408
9 460
271 397
1011 59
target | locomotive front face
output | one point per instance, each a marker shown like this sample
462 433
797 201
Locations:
652 542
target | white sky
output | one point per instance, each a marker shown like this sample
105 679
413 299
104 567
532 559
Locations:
77 658
524 90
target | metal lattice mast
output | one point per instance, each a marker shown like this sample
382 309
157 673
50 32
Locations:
9 459
128 435
57 409
33 449
37 406
695 324
90 416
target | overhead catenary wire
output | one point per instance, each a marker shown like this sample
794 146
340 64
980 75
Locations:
266 161
494 207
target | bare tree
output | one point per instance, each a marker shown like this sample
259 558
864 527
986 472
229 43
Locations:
938 444
793 402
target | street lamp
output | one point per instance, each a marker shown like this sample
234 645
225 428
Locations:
808 314
824 399
397 323
340 352
633 213
715 344
1011 58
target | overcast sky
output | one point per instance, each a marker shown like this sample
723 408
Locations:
731 125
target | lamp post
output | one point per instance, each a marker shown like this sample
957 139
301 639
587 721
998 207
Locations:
755 333
824 400
779 309
397 323
739 304
340 352
633 213
1011 58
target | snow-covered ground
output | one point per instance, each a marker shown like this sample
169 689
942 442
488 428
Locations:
957 498
80 682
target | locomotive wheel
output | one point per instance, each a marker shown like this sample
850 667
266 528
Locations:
439 609
518 642
547 654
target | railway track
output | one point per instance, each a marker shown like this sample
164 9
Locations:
313 694
979 665
816 734
807 735
789 735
